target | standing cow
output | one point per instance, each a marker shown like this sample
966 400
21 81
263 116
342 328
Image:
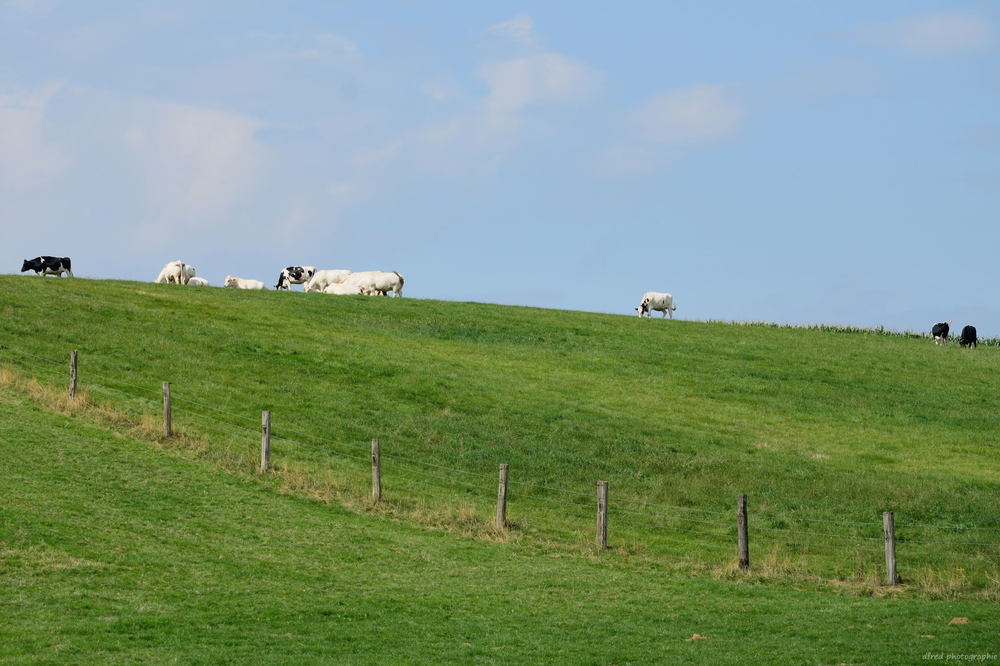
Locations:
968 338
175 271
940 332
48 266
294 275
655 300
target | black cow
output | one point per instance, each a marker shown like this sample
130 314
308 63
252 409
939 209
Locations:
968 338
48 266
294 275
940 333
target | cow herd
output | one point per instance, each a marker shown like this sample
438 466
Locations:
327 281
380 283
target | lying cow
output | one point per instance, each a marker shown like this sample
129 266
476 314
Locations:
197 282
378 283
175 271
242 283
655 300
968 337
342 289
940 333
321 279
48 266
294 275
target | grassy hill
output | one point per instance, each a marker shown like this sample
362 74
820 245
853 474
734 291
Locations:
823 430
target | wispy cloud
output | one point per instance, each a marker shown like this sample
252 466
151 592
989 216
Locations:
702 113
520 29
933 34
27 159
518 82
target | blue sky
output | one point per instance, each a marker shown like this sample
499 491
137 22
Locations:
798 162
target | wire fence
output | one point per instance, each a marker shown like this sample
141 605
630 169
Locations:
635 518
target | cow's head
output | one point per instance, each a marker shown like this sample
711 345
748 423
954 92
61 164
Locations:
643 307
26 266
230 281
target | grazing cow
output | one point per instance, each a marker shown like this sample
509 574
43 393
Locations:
940 333
968 338
377 282
175 271
294 275
320 279
48 266
654 300
342 289
197 282
243 283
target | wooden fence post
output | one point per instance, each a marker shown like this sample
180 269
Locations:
168 426
602 515
892 578
265 440
741 525
502 498
72 373
376 472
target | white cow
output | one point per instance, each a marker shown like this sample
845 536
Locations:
175 271
377 282
321 279
242 283
197 282
655 300
342 289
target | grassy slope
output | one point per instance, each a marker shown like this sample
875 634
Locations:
815 426
114 550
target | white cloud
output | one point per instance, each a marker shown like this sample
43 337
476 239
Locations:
521 29
195 162
932 34
27 159
519 82
699 114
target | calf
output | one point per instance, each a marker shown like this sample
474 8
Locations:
968 338
48 266
940 333
294 275
197 282
655 300
242 283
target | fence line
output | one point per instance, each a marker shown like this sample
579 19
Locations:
406 464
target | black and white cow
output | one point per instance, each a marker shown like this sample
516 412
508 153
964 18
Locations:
48 266
940 333
968 338
294 275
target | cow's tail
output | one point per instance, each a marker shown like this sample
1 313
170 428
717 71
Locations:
399 290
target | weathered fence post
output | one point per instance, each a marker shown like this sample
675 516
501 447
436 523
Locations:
265 440
376 472
602 515
72 373
741 525
168 426
892 578
502 498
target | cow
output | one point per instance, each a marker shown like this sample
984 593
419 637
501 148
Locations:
175 271
342 288
48 266
294 275
243 283
320 279
940 332
197 282
968 337
377 282
654 300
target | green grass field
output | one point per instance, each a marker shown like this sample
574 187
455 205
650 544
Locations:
118 544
